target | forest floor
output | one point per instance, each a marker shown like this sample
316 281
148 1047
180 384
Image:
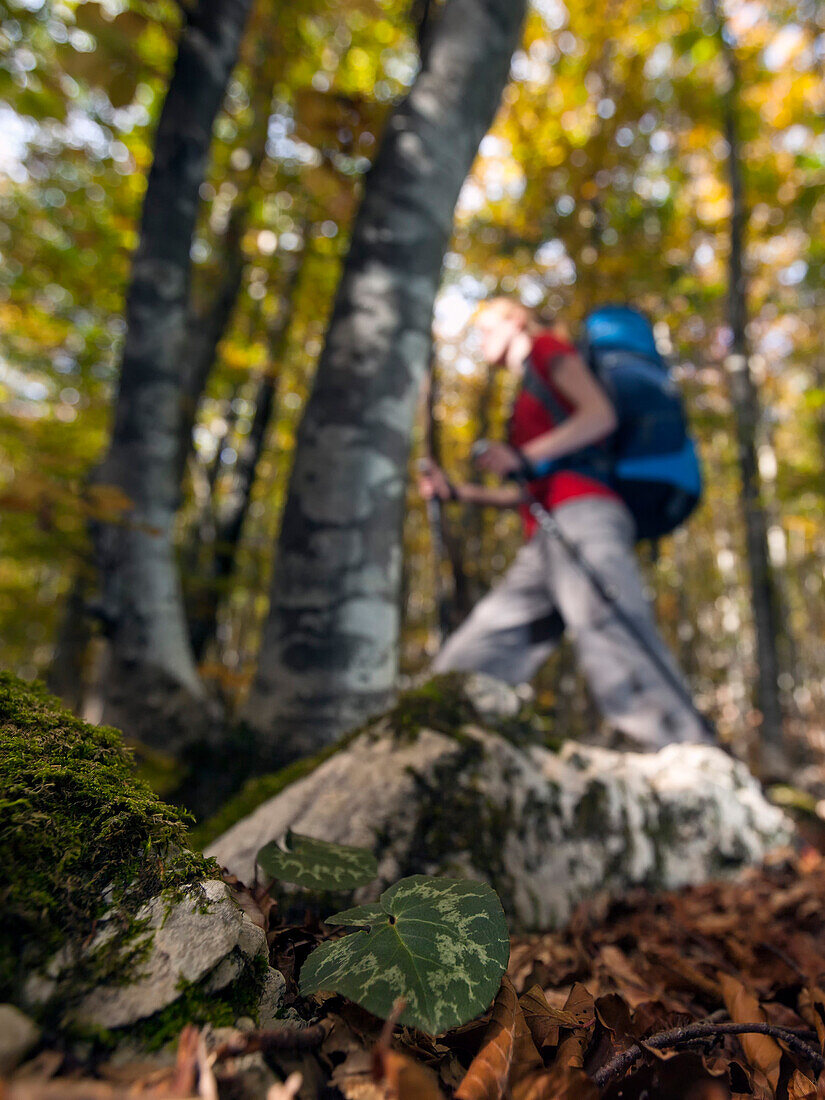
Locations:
710 992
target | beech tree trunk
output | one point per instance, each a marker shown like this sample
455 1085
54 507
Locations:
747 416
330 647
209 320
469 523
67 671
230 514
446 587
141 602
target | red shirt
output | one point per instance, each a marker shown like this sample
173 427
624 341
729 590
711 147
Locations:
530 419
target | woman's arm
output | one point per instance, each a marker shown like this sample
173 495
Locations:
433 482
592 419
502 496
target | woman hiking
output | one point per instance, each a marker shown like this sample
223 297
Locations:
515 627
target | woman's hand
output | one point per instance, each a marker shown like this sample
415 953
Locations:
499 458
433 482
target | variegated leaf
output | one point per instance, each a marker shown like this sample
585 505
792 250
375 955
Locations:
440 944
318 864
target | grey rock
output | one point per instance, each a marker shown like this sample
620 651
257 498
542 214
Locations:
252 940
546 829
18 1035
190 937
202 936
272 998
225 973
37 990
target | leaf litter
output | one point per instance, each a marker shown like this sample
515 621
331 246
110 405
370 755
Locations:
714 992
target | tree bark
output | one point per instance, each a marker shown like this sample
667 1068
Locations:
747 416
141 603
330 648
472 522
207 323
67 671
445 588
230 514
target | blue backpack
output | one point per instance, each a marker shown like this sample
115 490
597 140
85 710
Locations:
651 459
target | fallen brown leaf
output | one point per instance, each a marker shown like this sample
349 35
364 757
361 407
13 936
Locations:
763 1054
542 1020
400 1078
632 987
489 1074
562 1083
801 1087
812 1009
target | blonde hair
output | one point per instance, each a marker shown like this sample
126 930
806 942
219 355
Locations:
503 304
536 318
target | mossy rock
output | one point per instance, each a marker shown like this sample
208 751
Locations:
442 704
80 834
431 790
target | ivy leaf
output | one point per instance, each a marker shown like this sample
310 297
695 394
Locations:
440 944
318 864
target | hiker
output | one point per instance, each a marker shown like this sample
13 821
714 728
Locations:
559 448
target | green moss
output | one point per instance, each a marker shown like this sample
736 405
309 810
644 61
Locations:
79 832
196 1005
440 704
591 812
443 705
529 727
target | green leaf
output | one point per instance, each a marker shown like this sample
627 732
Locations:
365 915
440 944
318 864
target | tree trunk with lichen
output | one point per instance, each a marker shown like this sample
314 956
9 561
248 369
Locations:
767 618
330 647
210 317
229 514
151 664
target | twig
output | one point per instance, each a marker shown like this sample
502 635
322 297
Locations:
705 1030
281 1038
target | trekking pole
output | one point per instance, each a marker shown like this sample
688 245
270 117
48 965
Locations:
551 527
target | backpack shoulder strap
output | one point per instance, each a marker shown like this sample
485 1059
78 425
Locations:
594 459
534 384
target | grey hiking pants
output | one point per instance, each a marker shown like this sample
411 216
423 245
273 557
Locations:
516 626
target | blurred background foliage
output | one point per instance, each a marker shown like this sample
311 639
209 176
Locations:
603 179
